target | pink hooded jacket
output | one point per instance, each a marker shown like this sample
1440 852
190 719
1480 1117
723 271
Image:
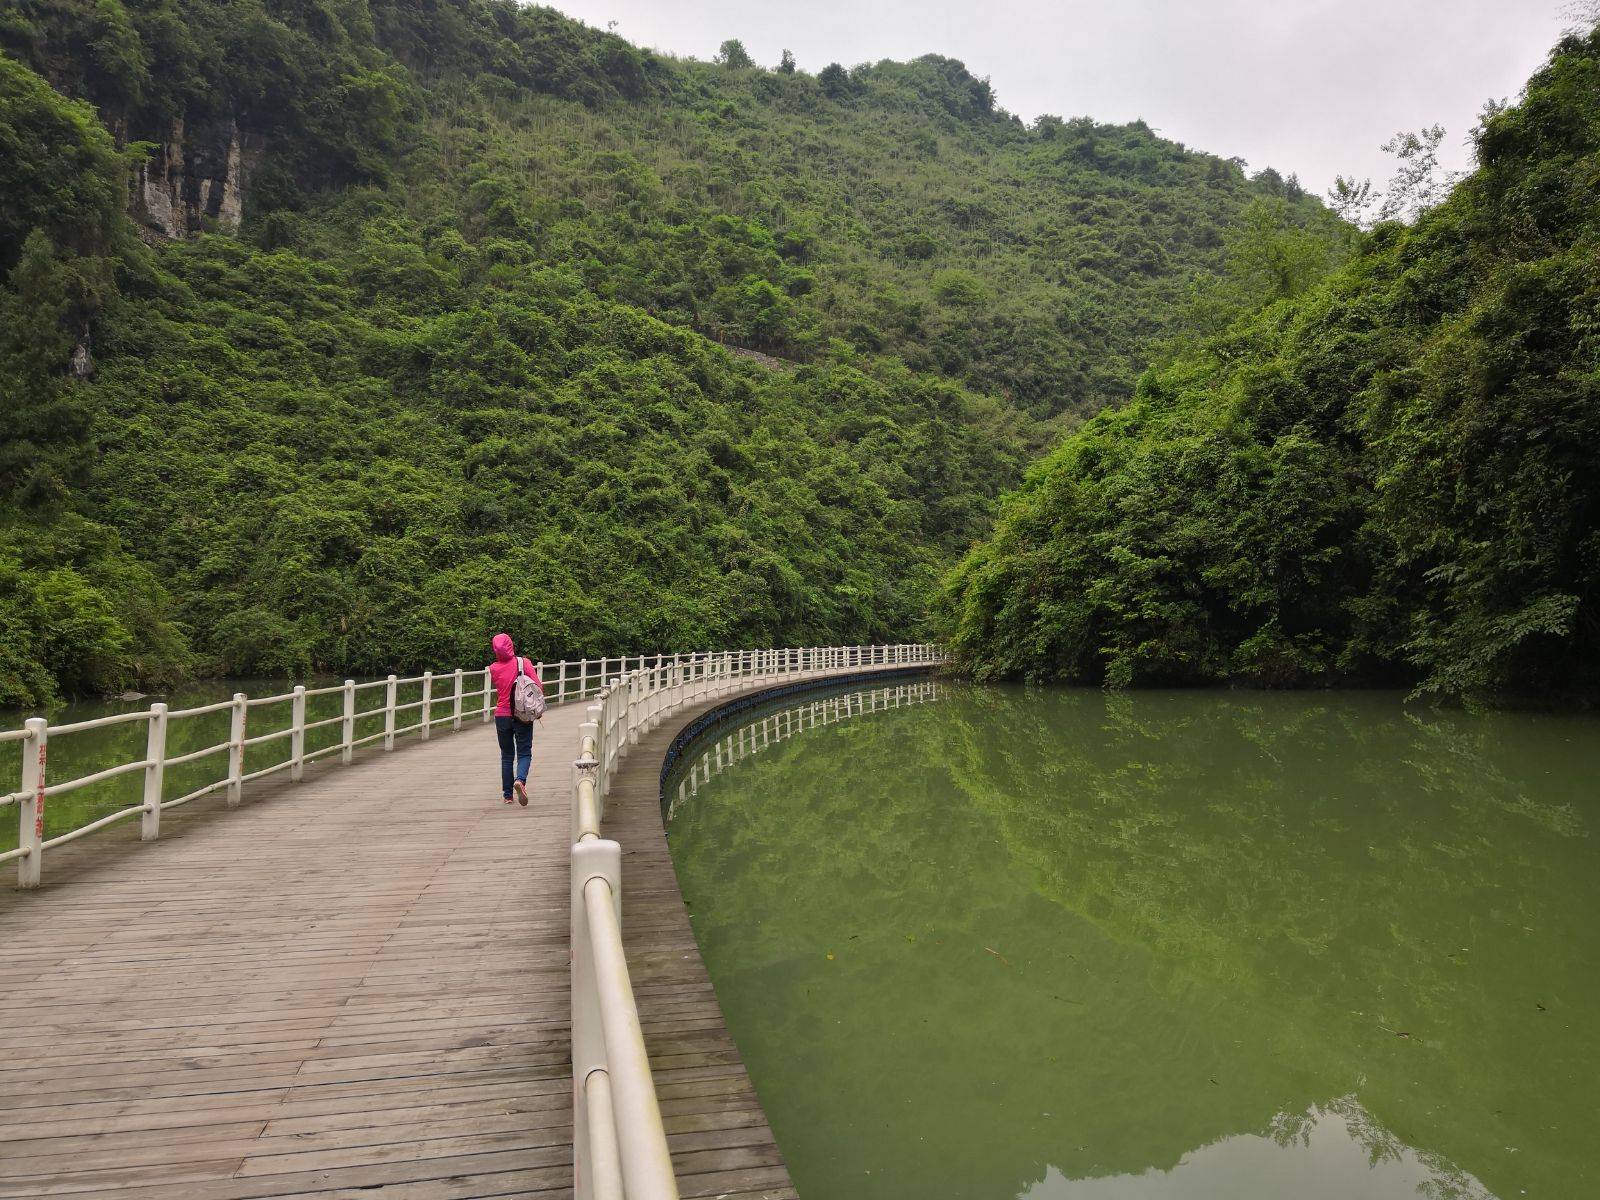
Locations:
503 670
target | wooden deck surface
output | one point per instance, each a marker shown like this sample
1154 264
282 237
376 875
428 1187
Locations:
354 986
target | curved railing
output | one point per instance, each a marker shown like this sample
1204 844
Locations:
619 1143
772 728
566 680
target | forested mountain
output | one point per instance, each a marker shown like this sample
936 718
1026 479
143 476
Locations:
336 334
1392 475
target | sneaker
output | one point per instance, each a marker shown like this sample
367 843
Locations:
505 799
522 794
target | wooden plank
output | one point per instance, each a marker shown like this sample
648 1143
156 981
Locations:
352 984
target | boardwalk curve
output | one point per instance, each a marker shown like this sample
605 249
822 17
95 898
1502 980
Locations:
357 985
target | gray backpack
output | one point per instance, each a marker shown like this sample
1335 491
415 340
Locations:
527 697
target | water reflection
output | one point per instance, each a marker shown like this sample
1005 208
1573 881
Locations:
1332 1152
967 944
731 743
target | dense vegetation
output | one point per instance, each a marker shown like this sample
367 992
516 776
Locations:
1389 475
457 369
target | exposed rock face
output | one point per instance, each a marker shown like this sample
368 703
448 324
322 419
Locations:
194 179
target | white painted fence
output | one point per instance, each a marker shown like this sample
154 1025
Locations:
444 692
743 741
619 1144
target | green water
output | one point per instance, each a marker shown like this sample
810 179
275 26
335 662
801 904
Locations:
1070 946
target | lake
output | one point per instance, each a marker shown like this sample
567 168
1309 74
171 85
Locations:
1059 944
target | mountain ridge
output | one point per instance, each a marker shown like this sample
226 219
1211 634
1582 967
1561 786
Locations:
474 232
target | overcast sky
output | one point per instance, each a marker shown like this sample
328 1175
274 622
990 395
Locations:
1307 86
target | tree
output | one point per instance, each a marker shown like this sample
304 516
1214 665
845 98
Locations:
835 81
1582 16
1419 182
733 54
60 172
44 424
786 64
1353 200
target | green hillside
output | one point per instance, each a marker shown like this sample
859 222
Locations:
409 333
1390 476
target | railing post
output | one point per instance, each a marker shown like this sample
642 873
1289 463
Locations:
155 770
604 1180
236 728
590 859
427 704
391 687
297 733
348 727
455 707
630 716
597 723
488 696
561 683
30 810
587 810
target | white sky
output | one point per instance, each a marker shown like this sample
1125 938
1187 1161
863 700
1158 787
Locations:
1307 86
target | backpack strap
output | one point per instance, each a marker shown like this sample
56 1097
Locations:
529 673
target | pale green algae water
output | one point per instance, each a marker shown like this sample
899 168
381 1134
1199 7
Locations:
1065 945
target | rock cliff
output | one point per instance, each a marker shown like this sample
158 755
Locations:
195 178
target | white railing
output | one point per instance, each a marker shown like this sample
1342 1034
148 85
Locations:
38 734
619 1143
774 728
375 704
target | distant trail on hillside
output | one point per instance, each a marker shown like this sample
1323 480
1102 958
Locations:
766 360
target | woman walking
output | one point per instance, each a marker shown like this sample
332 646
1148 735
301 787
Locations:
516 736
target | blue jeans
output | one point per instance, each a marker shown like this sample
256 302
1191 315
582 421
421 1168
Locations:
516 737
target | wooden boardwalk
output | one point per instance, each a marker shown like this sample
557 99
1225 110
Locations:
354 986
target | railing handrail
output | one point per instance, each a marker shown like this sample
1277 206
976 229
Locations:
619 1142
611 678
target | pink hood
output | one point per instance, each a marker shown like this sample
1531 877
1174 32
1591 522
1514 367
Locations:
503 671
